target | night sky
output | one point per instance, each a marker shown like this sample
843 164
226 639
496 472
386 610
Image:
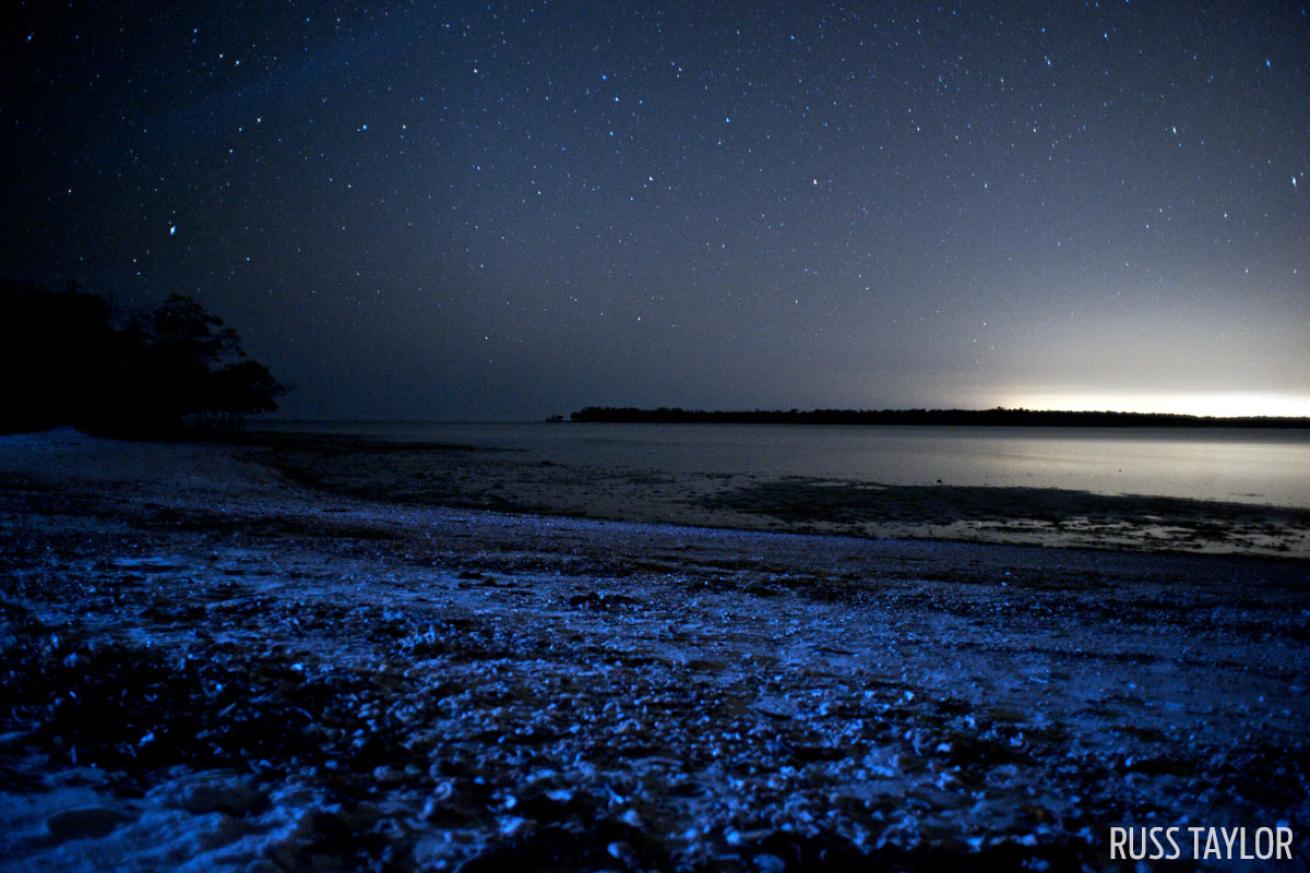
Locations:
507 210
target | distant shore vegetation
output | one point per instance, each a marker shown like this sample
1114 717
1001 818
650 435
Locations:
998 417
73 359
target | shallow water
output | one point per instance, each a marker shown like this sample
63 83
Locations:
1214 464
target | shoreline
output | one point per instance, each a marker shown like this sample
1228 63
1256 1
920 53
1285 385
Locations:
510 480
267 674
984 418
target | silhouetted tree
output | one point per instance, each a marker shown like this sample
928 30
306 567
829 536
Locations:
57 353
240 389
184 346
67 362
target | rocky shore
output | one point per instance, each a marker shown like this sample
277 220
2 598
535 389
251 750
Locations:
210 663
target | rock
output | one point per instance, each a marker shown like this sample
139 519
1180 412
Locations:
88 823
213 791
385 774
621 851
262 865
602 601
234 798
316 832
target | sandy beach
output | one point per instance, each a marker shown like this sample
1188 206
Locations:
270 656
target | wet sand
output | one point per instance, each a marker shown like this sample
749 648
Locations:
209 659
455 475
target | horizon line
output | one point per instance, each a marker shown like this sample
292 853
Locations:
792 411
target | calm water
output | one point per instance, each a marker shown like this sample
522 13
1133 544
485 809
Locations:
1243 465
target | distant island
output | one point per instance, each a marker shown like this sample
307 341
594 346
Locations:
998 417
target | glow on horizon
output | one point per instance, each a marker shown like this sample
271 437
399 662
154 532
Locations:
1217 404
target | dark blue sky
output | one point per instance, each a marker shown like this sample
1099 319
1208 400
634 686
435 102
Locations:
461 210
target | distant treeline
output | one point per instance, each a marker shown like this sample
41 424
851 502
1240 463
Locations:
973 417
72 358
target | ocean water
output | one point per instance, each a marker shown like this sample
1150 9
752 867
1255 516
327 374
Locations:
1250 466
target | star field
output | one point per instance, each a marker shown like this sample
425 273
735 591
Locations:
461 210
